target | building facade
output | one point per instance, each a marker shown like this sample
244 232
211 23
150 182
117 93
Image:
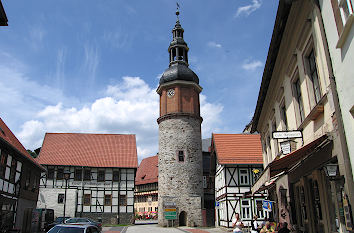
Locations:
180 144
306 176
236 159
146 188
19 182
89 175
338 19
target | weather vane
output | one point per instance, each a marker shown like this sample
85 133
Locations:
177 11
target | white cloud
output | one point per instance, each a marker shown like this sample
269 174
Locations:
91 61
248 9
129 107
214 44
252 65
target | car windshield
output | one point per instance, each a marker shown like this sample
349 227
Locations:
82 220
59 219
71 220
61 229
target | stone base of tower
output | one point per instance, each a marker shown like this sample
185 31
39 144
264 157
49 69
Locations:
188 208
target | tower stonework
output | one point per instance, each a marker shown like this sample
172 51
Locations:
180 144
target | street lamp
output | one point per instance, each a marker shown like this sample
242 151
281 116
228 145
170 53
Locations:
331 170
66 177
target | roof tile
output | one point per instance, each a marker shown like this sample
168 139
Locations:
91 150
147 171
238 148
7 135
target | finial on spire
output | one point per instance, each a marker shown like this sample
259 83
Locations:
177 11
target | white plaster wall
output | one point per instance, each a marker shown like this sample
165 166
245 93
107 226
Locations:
342 62
48 198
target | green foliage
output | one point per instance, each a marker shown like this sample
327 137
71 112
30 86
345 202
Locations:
32 153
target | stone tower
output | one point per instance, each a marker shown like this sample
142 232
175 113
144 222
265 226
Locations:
180 144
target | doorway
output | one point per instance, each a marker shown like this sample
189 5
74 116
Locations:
183 219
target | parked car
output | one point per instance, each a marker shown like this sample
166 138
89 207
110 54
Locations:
84 220
58 220
77 228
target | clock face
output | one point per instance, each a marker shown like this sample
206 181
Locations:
170 92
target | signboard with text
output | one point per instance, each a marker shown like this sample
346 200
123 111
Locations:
287 134
170 213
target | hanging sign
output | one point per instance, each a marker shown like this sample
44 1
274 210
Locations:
267 205
287 134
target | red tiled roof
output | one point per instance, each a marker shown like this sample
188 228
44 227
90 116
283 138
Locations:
238 148
147 171
10 138
91 150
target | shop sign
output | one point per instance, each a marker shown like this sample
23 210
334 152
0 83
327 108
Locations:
267 205
287 134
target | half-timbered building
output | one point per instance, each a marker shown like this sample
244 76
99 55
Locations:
95 171
236 159
19 181
146 187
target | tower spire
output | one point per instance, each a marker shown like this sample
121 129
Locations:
177 11
178 51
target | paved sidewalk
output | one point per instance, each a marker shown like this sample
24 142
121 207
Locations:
114 229
154 228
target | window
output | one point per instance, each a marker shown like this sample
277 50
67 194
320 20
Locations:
78 174
244 180
28 180
314 76
51 173
298 98
283 116
61 197
246 209
115 175
101 175
346 8
259 209
60 173
2 164
122 200
107 199
87 174
269 149
87 199
275 141
181 156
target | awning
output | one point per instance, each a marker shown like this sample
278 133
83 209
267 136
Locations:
285 163
260 185
278 167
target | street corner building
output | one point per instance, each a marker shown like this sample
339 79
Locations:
89 175
19 182
146 188
301 115
180 144
236 161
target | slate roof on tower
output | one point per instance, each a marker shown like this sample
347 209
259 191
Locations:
91 150
237 148
8 137
147 171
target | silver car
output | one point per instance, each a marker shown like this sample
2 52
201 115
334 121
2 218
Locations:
74 228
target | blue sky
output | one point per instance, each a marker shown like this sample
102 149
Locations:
93 66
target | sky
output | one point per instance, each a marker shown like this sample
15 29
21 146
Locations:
93 66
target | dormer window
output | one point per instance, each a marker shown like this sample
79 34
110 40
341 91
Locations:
181 156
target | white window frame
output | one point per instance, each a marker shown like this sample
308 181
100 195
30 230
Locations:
246 212
245 176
